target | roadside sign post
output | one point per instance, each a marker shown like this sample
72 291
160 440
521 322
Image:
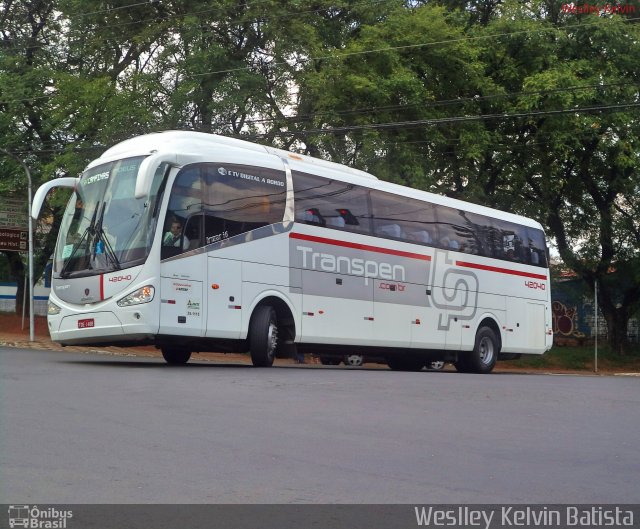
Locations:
595 295
30 237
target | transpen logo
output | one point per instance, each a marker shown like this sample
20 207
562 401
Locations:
352 266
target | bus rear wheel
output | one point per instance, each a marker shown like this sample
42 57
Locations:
263 336
175 356
484 355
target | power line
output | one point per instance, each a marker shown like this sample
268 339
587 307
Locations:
442 102
453 120
405 124
111 9
431 104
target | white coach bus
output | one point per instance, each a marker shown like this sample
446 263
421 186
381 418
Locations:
196 242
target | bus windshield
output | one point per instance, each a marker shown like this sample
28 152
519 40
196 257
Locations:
105 228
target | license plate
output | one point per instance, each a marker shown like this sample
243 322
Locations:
86 324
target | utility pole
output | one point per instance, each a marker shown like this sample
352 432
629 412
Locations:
29 193
595 297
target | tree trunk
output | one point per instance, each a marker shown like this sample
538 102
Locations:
617 328
17 269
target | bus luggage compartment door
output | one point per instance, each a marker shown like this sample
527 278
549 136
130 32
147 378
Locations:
224 298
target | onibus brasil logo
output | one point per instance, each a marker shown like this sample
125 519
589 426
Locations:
36 518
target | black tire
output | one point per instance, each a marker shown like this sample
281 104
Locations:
175 356
329 361
484 356
404 363
462 364
263 336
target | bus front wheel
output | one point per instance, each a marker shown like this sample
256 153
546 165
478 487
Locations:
263 336
175 356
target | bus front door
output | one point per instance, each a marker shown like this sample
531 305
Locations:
181 308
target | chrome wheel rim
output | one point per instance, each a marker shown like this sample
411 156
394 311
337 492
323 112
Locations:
272 338
486 350
354 360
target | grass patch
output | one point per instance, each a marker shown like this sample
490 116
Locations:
580 359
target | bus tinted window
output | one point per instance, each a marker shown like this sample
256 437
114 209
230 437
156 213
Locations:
461 231
537 247
510 242
337 205
183 223
479 240
397 217
241 198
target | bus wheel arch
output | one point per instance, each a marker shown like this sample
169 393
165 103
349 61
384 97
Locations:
285 323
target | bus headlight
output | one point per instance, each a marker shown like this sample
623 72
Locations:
142 295
52 308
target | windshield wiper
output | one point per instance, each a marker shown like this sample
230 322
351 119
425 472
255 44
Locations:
100 235
64 273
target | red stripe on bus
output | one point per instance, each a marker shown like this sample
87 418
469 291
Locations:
101 287
356 246
500 270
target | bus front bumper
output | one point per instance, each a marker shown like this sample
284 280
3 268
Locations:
97 327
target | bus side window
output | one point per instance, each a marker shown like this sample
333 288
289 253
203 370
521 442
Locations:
511 242
401 218
185 206
537 247
193 232
335 221
337 205
456 232
421 236
241 198
313 216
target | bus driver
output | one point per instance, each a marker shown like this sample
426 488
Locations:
172 237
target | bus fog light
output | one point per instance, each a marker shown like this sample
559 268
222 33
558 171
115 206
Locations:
52 308
142 295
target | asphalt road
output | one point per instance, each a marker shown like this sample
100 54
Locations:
89 428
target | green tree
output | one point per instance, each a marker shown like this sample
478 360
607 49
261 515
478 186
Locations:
514 105
578 171
67 75
25 71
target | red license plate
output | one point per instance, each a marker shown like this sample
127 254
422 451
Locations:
86 324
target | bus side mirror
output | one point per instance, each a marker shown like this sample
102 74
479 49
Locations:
148 169
42 191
